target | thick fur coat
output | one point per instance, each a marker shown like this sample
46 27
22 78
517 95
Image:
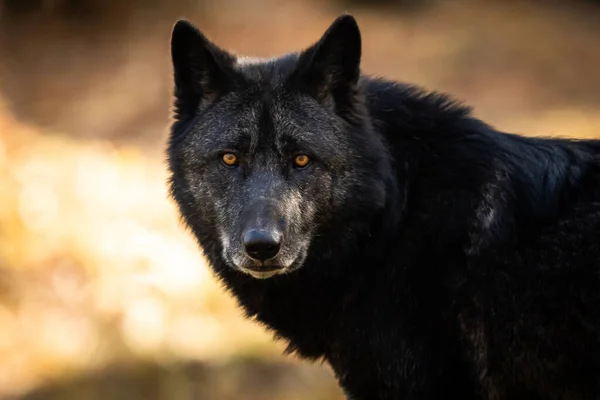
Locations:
420 252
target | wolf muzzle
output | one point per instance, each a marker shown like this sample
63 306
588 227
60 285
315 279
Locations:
262 237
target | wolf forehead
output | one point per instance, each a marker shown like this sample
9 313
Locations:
260 113
248 125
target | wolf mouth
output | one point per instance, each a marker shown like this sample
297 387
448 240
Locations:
263 273
268 269
264 268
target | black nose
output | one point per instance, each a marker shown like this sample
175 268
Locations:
262 245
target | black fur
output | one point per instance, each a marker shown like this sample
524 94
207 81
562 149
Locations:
425 255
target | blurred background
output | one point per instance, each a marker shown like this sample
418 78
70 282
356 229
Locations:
103 294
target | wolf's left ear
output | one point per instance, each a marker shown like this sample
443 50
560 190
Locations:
330 68
202 70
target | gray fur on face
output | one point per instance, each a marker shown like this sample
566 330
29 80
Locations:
266 134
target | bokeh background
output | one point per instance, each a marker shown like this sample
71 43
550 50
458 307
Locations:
103 294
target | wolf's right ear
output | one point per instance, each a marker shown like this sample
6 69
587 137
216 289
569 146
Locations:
202 70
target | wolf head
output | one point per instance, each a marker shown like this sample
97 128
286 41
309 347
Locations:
265 154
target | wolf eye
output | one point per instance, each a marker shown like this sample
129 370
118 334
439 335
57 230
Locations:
230 159
301 161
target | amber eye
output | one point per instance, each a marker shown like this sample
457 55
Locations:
301 161
230 159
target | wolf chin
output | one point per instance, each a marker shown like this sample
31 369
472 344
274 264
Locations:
383 229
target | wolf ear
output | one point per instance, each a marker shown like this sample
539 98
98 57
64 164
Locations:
202 70
331 67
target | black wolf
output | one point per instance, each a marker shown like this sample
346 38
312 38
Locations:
419 251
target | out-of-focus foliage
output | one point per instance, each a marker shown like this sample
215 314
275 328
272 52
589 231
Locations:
103 294
247 379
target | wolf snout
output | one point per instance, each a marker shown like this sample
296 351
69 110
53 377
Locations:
261 245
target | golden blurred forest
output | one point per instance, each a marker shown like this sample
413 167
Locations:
103 293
